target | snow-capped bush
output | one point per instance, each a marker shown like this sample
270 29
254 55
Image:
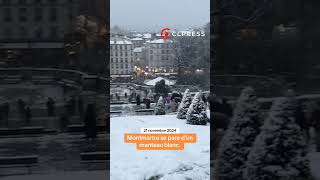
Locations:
196 114
279 151
160 109
239 137
184 105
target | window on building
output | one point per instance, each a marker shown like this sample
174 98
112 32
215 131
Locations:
121 65
39 33
53 1
7 15
54 32
53 14
6 2
126 60
7 33
22 14
121 60
37 14
23 33
22 2
71 13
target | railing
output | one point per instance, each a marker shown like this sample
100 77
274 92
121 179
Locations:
232 84
79 78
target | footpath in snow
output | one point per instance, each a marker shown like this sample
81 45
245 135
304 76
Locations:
129 163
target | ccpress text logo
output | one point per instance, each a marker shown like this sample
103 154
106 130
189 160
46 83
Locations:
167 33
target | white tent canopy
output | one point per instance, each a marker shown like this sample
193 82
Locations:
154 81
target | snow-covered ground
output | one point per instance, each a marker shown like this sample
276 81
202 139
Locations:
80 175
128 163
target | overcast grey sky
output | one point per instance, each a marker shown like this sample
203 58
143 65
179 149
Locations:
152 15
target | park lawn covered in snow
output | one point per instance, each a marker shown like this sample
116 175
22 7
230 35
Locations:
126 162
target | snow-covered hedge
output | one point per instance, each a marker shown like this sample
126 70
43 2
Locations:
239 137
279 152
184 105
197 114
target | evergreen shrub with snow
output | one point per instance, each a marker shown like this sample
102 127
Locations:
239 137
160 109
196 114
279 151
184 105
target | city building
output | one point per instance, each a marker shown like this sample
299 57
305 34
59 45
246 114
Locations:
160 56
121 58
137 42
140 56
36 29
36 21
41 29
147 36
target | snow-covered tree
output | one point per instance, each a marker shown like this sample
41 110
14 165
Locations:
160 109
279 151
184 105
197 114
239 137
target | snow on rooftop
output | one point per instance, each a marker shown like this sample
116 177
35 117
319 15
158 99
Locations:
121 42
147 36
159 41
154 81
136 39
138 49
